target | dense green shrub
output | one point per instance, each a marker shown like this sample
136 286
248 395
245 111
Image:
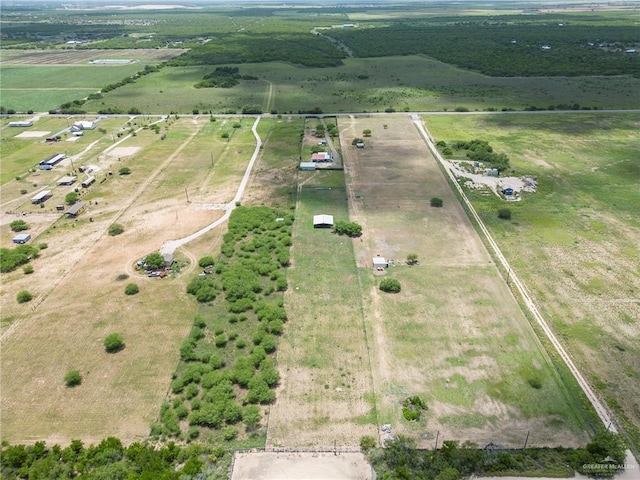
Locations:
115 229
113 343
390 285
131 289
350 229
436 202
19 225
10 259
504 214
72 378
24 296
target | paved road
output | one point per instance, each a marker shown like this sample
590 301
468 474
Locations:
606 416
171 246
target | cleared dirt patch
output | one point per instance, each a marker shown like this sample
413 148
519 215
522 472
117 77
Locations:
300 466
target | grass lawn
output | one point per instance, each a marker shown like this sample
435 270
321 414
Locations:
575 241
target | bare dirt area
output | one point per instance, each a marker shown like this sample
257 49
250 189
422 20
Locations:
78 287
454 335
33 134
300 466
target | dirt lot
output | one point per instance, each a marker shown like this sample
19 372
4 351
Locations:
300 466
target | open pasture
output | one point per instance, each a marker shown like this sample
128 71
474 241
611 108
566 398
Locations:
454 335
43 80
574 242
415 83
326 393
78 286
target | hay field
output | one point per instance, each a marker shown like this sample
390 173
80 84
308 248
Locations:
454 335
79 299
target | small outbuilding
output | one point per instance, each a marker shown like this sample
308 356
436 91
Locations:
41 197
21 123
380 262
85 125
76 209
67 180
88 182
22 238
307 166
322 221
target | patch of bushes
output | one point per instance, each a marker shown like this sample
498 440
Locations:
24 296
115 229
113 343
72 378
504 214
436 202
10 259
19 225
390 285
350 229
412 408
131 289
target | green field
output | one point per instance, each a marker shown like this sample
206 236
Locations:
413 83
575 241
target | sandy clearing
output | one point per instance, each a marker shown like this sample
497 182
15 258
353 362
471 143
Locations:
32 134
300 466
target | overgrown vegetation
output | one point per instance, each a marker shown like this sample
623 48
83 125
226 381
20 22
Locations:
504 46
110 459
12 258
478 151
221 77
390 285
19 225
350 229
227 367
601 458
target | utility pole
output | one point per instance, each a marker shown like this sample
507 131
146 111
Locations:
186 194
437 435
526 440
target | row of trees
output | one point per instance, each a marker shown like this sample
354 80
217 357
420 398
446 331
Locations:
111 460
476 150
453 461
227 369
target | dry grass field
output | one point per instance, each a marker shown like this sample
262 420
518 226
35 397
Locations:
79 300
454 335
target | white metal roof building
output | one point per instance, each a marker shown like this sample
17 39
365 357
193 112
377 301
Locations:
307 166
380 262
41 197
322 221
